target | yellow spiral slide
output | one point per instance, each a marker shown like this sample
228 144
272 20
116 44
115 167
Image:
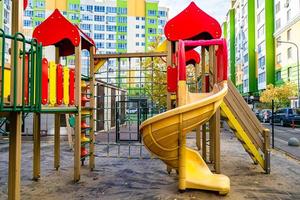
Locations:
162 134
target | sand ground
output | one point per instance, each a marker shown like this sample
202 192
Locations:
116 178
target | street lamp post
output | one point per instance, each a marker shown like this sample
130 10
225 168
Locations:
297 49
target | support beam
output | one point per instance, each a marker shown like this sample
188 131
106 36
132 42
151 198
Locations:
14 166
203 88
92 105
212 120
57 125
216 119
36 146
77 143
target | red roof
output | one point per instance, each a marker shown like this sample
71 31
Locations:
192 24
57 30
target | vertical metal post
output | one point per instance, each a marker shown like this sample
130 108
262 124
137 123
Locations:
273 133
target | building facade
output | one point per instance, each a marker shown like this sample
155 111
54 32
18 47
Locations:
250 28
5 24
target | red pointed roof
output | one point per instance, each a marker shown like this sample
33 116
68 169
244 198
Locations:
192 57
192 23
57 30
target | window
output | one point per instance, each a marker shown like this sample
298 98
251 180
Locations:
261 31
278 75
289 73
151 30
99 27
143 35
89 8
86 27
137 26
110 45
100 45
260 47
122 11
74 7
40 14
288 15
262 77
143 44
137 35
99 18
278 58
143 18
151 21
122 28
111 9
99 36
260 16
152 12
277 7
259 3
111 28
278 24
37 23
289 52
28 13
277 41
40 4
28 23
261 62
122 46
74 16
137 18
245 58
143 27
86 17
111 37
245 83
122 19
161 22
162 13
122 37
288 35
99 9
137 44
110 19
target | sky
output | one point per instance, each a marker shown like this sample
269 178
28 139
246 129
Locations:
215 8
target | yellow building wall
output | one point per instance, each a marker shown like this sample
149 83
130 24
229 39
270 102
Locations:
6 83
283 49
59 4
136 8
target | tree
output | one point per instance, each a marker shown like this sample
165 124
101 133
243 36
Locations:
281 95
155 76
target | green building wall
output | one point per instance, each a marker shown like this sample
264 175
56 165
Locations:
150 6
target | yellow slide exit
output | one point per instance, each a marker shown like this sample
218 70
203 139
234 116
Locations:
161 133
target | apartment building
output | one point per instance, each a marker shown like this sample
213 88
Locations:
250 28
5 24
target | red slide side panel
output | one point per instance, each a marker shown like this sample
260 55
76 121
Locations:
72 87
26 76
44 81
172 79
59 84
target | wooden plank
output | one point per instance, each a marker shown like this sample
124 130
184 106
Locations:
92 105
243 113
212 126
36 146
217 140
77 143
130 55
14 165
56 141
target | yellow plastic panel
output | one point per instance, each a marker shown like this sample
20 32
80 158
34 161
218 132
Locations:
52 83
66 85
6 83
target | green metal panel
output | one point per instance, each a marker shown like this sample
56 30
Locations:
150 6
232 45
251 47
270 46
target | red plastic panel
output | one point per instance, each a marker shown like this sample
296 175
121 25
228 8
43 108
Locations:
25 4
72 87
59 84
26 77
192 23
181 61
172 75
44 81
192 57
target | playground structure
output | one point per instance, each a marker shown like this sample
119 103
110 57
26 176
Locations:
68 92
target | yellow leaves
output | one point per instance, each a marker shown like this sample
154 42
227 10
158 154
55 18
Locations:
279 94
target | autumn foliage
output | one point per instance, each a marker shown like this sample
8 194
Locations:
281 94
